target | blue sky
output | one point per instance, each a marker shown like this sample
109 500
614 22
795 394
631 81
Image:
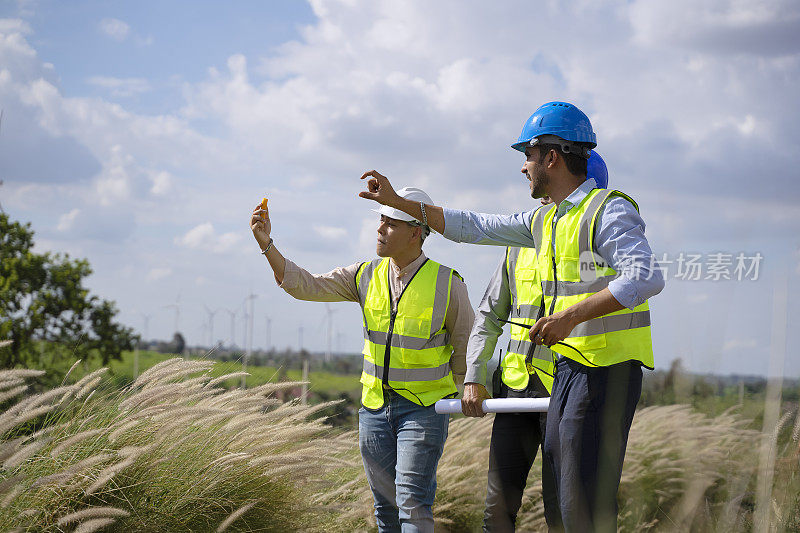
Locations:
139 135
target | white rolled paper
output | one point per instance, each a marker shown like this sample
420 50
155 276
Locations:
498 405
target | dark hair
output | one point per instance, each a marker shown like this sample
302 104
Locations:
575 163
425 230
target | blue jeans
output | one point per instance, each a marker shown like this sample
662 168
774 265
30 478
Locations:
401 444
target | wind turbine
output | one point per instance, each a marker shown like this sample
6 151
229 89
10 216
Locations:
177 307
211 315
232 313
329 319
269 333
250 298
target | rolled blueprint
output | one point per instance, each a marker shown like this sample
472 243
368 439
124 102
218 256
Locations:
499 405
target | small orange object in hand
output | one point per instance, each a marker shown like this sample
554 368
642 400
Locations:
264 206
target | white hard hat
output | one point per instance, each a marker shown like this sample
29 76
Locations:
409 193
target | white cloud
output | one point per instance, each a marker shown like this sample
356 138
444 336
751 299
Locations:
121 86
162 183
115 29
429 93
330 232
203 236
156 274
12 26
738 344
198 236
66 221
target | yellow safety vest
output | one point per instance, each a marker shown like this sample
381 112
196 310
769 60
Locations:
573 272
526 300
407 350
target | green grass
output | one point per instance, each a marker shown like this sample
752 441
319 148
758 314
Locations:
324 384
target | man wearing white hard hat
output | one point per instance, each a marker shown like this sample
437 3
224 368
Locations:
416 320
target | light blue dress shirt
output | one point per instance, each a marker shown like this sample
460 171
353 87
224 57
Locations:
620 240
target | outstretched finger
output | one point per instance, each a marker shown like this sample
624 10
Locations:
373 173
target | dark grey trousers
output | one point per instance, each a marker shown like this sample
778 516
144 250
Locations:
516 437
590 415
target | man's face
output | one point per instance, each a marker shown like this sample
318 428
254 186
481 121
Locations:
535 172
394 236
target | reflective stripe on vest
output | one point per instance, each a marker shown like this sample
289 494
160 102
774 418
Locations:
525 292
580 272
407 350
408 374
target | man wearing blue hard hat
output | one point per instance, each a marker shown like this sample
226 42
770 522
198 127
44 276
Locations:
597 272
514 296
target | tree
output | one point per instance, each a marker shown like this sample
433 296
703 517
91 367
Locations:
42 298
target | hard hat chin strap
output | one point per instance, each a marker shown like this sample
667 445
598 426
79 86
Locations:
568 147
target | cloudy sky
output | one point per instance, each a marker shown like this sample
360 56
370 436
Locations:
139 135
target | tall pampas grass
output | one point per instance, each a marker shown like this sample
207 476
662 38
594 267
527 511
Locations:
174 451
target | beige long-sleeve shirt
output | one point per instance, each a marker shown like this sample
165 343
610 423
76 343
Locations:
339 285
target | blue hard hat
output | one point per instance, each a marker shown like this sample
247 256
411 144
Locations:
596 168
560 119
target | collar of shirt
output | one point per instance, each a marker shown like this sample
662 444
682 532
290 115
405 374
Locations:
576 197
406 272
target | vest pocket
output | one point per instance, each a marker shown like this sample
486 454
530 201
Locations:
515 373
583 342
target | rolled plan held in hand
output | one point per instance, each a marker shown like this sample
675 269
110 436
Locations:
498 405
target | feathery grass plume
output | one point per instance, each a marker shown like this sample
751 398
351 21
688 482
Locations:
20 373
95 524
74 439
25 453
271 388
313 409
11 496
74 365
165 451
122 428
66 475
46 397
221 379
796 429
92 512
234 516
28 513
12 393
177 371
9 483
27 416
88 389
10 382
90 377
10 447
145 376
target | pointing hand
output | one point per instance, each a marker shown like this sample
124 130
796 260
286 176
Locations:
379 189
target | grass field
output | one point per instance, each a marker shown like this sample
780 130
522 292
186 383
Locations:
325 384
178 450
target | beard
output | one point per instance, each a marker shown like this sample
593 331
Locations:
539 182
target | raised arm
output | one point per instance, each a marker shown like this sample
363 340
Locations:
338 285
380 190
261 226
452 224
